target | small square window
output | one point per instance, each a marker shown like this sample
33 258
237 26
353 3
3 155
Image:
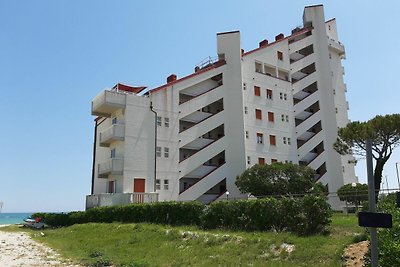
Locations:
288 141
284 140
285 96
166 184
330 56
280 95
287 118
248 160
259 138
166 122
158 151
166 152
247 134
283 117
159 120
245 110
274 161
244 86
158 184
336 110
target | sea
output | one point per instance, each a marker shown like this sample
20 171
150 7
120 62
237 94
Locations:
13 218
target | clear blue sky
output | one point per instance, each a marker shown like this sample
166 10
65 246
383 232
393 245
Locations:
55 56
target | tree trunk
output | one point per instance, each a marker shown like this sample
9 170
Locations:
378 175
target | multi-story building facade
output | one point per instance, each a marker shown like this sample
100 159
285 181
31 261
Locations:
189 138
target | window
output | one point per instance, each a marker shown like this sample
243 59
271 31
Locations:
166 152
114 121
258 67
280 55
158 184
329 27
285 96
158 151
244 86
336 109
257 91
284 140
288 141
185 185
258 114
330 56
269 94
166 122
280 95
247 134
271 116
283 117
113 153
274 161
343 169
158 120
261 161
245 110
166 184
259 138
287 118
272 140
248 160
334 92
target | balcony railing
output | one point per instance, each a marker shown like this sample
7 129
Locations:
113 199
112 166
107 102
114 133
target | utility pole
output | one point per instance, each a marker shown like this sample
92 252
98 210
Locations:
371 203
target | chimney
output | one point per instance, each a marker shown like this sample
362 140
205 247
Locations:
171 78
279 37
263 43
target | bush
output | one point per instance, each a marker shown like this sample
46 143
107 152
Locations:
306 215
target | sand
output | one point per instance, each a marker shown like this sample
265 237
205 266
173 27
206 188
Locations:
18 249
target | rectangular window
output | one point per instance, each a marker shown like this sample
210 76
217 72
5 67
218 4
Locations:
159 120
288 141
248 160
158 184
274 161
280 95
283 117
271 116
287 118
259 138
166 122
244 86
158 151
166 152
280 55
166 184
114 121
258 114
261 161
113 153
285 96
245 110
284 140
258 67
257 91
269 94
247 134
272 140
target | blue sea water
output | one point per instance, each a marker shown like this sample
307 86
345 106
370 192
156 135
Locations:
13 218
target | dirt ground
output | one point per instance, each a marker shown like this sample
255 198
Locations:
353 254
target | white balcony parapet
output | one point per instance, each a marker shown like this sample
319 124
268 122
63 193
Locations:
114 133
112 166
107 102
113 199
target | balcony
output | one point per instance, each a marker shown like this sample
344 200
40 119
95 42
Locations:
102 200
114 133
114 166
336 46
107 102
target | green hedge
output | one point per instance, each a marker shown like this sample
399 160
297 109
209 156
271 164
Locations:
306 215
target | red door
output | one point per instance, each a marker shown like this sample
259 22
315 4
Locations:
138 185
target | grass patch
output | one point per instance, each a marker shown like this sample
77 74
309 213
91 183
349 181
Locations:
159 245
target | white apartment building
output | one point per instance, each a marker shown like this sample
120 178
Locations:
189 138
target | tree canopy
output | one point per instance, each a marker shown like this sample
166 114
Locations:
353 194
278 179
384 131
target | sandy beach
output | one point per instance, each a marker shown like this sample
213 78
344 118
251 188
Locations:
18 249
